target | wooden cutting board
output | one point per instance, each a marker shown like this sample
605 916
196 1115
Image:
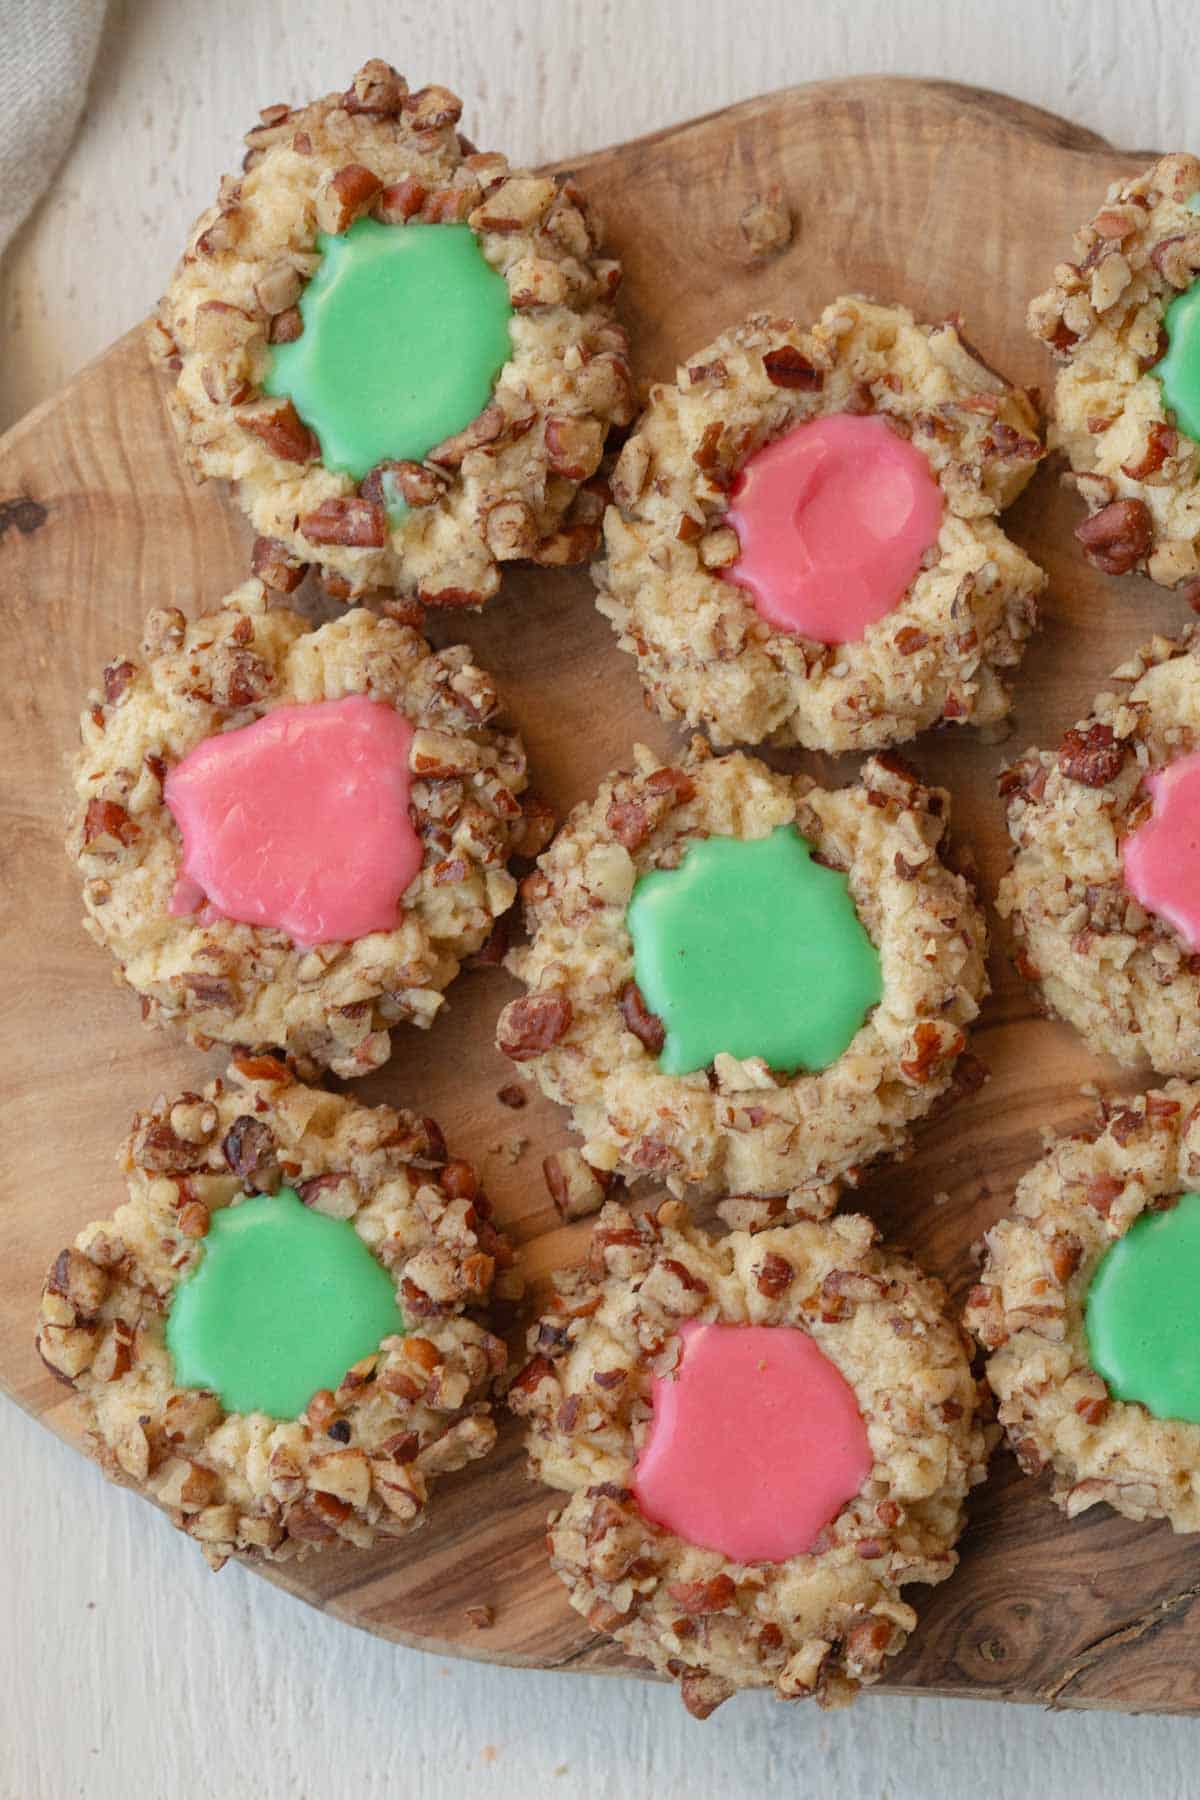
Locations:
944 197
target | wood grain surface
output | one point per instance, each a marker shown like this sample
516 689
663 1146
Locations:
946 198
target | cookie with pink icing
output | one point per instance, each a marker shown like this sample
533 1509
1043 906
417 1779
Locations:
1103 896
762 1438
292 835
804 545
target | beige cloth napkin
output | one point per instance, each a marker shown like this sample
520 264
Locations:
49 49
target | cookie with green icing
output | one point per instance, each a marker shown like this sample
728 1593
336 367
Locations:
738 980
282 1335
1121 320
1085 1305
403 352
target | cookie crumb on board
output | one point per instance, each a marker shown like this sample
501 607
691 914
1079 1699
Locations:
767 224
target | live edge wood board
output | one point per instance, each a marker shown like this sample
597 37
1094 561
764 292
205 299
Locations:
946 198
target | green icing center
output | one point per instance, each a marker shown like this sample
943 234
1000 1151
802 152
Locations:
282 1302
1179 370
1143 1313
405 332
752 948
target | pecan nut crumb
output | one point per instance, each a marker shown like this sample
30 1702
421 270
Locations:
529 1027
1118 537
787 367
767 224
250 1150
1092 757
575 1187
645 1025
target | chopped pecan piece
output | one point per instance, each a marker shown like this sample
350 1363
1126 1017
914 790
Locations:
448 206
1162 441
867 1642
431 108
766 224
1092 1409
346 196
286 326
644 1024
775 1275
262 1068
222 234
788 367
117 677
275 565
193 1219
575 1187
536 827
530 1026
673 783
1178 258
281 429
108 827
1091 757
239 677
511 530
1029 1457
164 631
377 88
627 821
909 639
315 1517
416 485
573 446
1101 1191
632 820
519 204
703 1596
484 429
527 1381
356 523
1118 537
249 1149
928 1051
187 1485
400 201
1066 1254
278 289
80 1283
210 990
707 453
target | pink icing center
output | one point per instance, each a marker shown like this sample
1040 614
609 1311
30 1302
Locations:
1162 857
299 821
755 1444
833 519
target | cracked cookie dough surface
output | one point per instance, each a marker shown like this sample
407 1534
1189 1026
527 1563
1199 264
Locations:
704 652
358 1461
1118 972
1104 320
512 482
330 1004
584 1034
820 1623
1029 1312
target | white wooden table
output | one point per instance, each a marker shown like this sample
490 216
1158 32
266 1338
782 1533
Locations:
126 1669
